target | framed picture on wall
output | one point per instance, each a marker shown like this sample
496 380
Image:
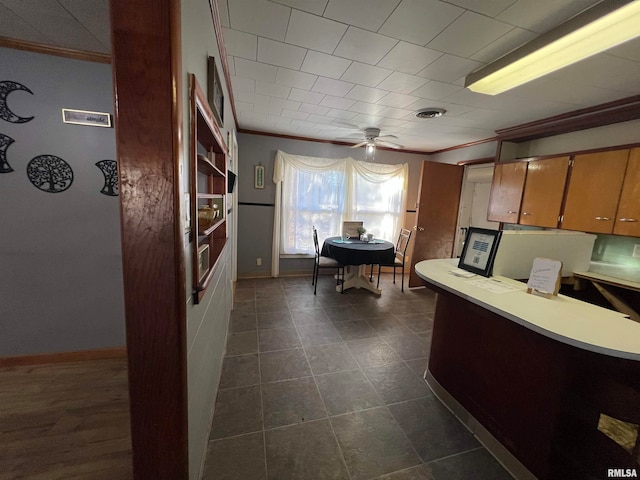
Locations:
215 93
258 176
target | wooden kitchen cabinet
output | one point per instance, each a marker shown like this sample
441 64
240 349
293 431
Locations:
543 191
594 190
506 192
628 216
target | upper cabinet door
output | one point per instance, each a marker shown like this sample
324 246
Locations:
594 190
628 216
506 192
543 192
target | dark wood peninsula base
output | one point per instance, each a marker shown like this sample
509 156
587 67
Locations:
535 401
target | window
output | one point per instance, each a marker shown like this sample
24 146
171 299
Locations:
324 192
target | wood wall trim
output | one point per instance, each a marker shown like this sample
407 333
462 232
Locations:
64 357
222 51
320 140
147 73
52 50
599 115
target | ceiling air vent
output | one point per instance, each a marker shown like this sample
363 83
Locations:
430 112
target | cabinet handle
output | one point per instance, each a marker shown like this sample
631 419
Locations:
511 211
527 213
628 219
603 218
418 229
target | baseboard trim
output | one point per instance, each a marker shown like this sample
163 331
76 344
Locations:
491 443
64 357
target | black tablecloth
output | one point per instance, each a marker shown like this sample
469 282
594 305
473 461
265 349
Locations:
358 252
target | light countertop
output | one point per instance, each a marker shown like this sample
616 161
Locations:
561 318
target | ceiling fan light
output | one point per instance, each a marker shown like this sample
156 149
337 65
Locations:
371 149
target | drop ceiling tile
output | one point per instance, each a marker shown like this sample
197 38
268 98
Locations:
341 114
231 65
248 97
542 15
312 6
366 94
629 50
367 14
272 89
244 107
448 68
397 100
305 96
91 14
325 65
408 58
490 8
509 41
435 90
293 78
284 104
261 100
469 33
596 72
364 46
294 114
419 21
13 26
267 110
241 85
367 108
240 44
315 109
552 89
364 74
223 11
369 120
390 112
402 83
333 87
314 32
280 54
320 119
260 17
255 70
337 102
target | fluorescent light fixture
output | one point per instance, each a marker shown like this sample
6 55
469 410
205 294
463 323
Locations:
603 26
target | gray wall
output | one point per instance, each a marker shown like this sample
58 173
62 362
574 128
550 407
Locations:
60 259
255 222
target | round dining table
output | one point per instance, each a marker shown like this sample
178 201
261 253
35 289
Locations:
355 255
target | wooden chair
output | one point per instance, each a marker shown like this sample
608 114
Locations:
400 254
325 262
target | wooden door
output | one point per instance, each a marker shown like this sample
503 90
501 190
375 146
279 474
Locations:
628 216
437 215
543 192
594 190
506 192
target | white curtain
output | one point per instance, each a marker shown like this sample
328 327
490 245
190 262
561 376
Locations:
325 192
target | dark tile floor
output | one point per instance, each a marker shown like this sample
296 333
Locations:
330 386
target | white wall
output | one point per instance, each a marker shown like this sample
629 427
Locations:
207 322
60 258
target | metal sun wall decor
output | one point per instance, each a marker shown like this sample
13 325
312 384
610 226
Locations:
50 173
109 169
6 87
5 142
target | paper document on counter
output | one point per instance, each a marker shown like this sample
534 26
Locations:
494 285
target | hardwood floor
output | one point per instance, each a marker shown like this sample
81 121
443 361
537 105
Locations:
65 421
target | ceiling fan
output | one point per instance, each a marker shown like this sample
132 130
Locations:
372 139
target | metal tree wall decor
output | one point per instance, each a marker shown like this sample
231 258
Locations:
5 142
6 87
109 169
50 173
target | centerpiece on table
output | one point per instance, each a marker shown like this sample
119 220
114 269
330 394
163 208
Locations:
361 233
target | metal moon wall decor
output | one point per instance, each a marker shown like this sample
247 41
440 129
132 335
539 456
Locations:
109 169
6 87
5 142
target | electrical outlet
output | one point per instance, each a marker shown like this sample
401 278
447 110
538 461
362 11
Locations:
636 250
258 261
